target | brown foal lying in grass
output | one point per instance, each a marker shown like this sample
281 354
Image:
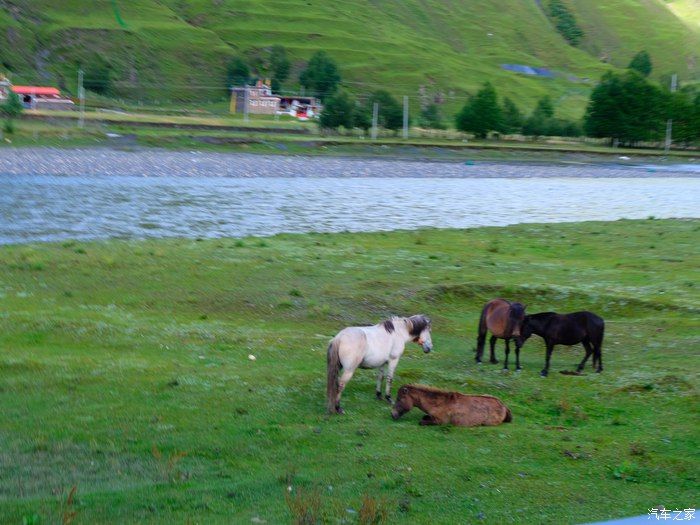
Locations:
443 407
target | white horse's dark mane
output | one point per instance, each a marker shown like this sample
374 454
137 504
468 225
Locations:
389 325
417 323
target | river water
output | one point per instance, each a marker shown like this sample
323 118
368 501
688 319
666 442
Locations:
352 195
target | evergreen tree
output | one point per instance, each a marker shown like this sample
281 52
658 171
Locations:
512 118
695 119
12 107
321 75
338 110
237 73
481 113
641 63
544 107
626 107
361 117
279 66
684 109
604 116
98 76
541 121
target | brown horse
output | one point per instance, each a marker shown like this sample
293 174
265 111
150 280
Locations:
504 320
443 407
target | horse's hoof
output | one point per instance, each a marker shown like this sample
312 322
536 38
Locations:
505 369
543 373
379 395
599 371
518 369
494 361
388 399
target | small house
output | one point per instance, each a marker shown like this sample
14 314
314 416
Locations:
259 99
40 97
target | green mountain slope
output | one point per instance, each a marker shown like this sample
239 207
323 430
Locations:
166 49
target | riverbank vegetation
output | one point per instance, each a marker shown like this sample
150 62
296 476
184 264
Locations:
438 145
157 381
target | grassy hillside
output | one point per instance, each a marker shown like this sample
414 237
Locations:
170 48
687 10
124 372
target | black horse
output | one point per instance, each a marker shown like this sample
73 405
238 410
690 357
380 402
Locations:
568 329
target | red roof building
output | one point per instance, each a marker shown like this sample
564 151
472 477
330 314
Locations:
37 90
42 97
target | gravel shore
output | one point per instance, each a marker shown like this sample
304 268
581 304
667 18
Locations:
157 163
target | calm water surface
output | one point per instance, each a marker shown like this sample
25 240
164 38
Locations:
49 208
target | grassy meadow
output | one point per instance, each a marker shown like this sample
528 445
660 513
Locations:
127 391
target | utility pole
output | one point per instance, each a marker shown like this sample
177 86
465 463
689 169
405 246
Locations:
405 117
245 104
81 96
669 122
375 118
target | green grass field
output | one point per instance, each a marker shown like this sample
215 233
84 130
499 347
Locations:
257 137
170 51
125 373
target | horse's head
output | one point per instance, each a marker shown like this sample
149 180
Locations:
403 404
419 329
516 317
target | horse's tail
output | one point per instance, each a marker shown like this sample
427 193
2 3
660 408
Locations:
333 360
481 339
509 416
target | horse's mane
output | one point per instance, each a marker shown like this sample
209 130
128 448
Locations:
428 389
414 324
439 391
417 323
541 315
389 325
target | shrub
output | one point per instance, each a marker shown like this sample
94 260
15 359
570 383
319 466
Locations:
565 22
641 63
430 117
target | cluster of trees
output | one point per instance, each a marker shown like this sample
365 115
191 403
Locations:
272 63
627 108
344 110
483 114
320 77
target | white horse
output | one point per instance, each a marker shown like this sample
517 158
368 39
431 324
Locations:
379 346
